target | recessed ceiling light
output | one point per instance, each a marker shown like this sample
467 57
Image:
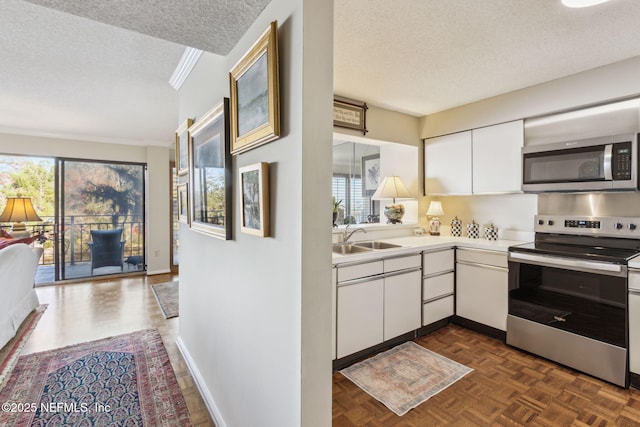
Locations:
582 3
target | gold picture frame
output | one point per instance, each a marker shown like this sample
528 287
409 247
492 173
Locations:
182 147
183 202
255 94
254 199
210 173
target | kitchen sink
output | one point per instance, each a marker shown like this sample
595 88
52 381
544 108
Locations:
349 248
376 245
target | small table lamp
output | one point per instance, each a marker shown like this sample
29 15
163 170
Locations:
393 188
435 210
18 210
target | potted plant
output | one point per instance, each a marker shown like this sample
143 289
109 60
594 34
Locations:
336 208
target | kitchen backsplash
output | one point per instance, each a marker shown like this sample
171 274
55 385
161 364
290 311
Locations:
511 213
590 204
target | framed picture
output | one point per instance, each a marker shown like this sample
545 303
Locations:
182 147
210 173
183 202
370 174
254 194
255 97
350 114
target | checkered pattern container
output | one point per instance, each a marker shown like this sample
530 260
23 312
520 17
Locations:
491 232
456 227
473 230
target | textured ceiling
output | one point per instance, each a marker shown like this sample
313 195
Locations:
424 56
211 25
70 69
67 76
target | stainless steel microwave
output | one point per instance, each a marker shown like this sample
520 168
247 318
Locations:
597 164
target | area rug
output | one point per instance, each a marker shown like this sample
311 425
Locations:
167 297
405 376
10 353
125 380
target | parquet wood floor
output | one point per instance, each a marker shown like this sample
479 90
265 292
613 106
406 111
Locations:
507 388
91 310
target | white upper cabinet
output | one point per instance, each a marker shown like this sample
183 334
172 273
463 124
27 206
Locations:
497 164
479 161
447 164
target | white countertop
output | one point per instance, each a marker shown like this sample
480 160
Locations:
422 243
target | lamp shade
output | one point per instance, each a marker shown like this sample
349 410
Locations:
392 187
435 209
17 210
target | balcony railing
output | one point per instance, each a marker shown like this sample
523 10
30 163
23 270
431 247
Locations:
76 232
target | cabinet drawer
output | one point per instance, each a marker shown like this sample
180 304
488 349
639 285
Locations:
495 258
436 286
436 262
356 271
437 310
401 263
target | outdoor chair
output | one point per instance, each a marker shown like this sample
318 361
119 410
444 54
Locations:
107 248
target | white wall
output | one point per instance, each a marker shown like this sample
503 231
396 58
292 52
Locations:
158 207
157 159
386 125
401 160
511 213
610 82
255 312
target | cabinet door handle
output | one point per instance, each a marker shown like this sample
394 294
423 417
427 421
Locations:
476 264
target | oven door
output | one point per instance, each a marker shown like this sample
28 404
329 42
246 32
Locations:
582 297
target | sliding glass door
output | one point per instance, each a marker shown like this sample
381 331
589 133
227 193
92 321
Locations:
93 214
100 216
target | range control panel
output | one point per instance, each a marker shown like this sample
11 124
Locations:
626 227
581 223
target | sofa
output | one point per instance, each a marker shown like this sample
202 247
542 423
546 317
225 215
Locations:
18 265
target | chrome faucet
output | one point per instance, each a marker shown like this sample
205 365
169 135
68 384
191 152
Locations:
347 235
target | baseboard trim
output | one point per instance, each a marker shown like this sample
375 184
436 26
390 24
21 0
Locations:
200 383
154 272
479 327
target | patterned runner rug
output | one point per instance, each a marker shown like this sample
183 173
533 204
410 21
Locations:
10 353
167 297
125 380
405 376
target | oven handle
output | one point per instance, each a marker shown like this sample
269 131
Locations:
570 264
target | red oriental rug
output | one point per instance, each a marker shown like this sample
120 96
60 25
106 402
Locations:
125 380
10 353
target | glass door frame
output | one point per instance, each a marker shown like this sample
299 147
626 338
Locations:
59 222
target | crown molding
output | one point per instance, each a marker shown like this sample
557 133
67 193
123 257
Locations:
183 69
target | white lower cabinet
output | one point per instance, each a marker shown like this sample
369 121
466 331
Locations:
634 321
401 303
334 314
437 285
482 287
360 316
376 301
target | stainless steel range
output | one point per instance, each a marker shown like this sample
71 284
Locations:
568 293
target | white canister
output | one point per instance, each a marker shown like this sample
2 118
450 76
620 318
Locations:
491 232
473 230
